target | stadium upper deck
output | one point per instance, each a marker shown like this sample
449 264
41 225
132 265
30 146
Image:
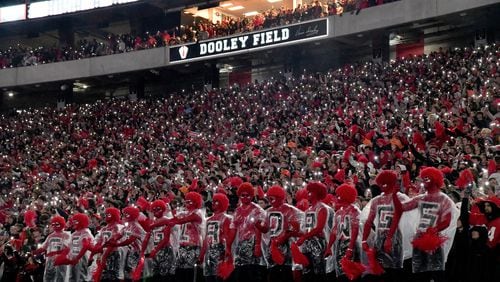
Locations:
378 29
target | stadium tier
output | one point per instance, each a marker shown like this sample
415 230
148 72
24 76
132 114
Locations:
252 141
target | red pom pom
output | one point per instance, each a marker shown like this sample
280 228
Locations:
373 264
256 153
370 134
340 175
239 146
446 170
180 158
225 269
465 178
159 205
429 241
30 218
440 130
419 141
276 254
298 256
352 269
17 244
347 155
62 258
363 159
330 200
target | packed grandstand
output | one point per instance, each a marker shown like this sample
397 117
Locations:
374 170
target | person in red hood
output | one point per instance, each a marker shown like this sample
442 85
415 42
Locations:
245 235
55 243
314 240
190 222
133 235
345 229
380 217
110 266
78 254
163 243
282 225
435 211
490 207
217 231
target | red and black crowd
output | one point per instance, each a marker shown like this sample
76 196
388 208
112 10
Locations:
376 171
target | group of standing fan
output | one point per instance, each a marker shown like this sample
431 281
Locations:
324 237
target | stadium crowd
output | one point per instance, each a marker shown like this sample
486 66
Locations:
20 55
345 126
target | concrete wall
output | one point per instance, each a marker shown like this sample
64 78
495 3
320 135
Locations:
98 66
392 14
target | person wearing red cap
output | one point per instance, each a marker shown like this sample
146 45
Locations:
163 243
381 213
109 266
133 235
214 243
78 254
245 236
282 225
314 239
436 215
490 207
191 223
345 229
55 243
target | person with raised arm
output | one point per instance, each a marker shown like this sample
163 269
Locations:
55 244
313 241
380 216
191 223
437 215
163 245
131 241
283 223
110 265
245 236
214 243
78 252
345 233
